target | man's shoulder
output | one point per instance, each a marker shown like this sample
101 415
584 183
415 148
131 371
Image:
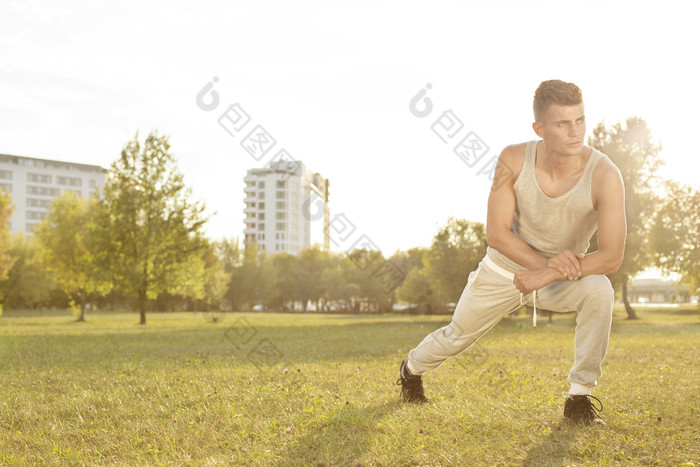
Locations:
607 179
514 154
515 150
605 167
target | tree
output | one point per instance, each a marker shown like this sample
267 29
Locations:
6 210
65 248
675 235
215 279
312 266
457 249
417 289
151 230
231 256
286 267
250 280
28 283
630 148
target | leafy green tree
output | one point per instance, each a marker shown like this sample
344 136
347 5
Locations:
349 294
312 266
215 279
231 256
418 290
286 266
28 283
376 277
675 234
631 149
65 247
151 230
6 210
247 279
456 250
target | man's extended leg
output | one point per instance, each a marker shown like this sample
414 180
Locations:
486 299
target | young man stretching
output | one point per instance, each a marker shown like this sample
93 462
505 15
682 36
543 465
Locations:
556 193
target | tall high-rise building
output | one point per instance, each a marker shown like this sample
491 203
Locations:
34 183
283 201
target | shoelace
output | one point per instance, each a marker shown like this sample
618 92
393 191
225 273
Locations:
508 275
589 407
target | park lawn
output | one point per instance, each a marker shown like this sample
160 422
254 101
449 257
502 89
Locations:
293 389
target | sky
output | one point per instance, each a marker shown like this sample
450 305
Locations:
332 83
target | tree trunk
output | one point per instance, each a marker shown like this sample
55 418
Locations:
82 312
142 306
631 314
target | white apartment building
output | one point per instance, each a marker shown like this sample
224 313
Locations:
34 183
281 201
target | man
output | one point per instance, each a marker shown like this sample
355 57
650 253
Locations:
548 198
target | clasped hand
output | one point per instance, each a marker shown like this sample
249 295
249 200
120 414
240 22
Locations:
563 266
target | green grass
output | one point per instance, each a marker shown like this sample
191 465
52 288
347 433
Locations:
262 389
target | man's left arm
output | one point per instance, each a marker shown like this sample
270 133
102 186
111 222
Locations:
609 200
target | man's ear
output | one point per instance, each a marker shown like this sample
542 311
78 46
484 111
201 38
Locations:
537 126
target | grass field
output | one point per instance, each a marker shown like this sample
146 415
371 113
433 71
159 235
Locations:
262 389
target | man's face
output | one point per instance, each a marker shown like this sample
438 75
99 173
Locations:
564 129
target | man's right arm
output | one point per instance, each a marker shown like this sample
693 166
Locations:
501 208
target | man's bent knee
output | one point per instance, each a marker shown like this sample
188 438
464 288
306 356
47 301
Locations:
598 289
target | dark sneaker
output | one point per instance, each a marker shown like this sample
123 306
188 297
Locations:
581 411
411 385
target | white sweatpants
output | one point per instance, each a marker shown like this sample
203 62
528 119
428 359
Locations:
488 297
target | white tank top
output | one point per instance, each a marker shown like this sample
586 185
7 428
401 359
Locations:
551 225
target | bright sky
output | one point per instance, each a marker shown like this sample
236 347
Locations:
331 82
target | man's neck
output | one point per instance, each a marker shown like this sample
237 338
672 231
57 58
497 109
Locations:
558 165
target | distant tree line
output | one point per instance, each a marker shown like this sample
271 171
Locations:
141 245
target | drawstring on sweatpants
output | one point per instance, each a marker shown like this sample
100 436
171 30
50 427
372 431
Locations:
534 306
509 275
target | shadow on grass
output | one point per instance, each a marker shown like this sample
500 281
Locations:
340 439
555 449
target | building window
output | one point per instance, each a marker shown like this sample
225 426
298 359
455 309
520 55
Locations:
6 187
70 181
261 184
38 178
261 216
36 215
75 192
29 227
42 191
261 195
93 184
261 226
281 195
281 205
281 183
261 205
38 203
281 226
5 175
281 216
